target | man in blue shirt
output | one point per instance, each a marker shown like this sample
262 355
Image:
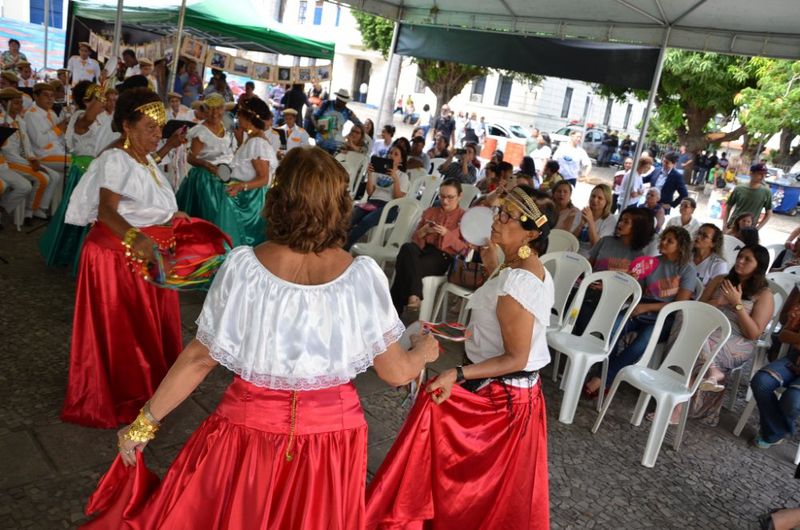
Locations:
329 121
671 182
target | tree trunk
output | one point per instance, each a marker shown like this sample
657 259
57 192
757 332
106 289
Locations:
784 156
385 115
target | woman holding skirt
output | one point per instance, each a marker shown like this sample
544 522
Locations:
126 332
473 451
295 319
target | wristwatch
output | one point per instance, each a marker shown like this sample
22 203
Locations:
460 374
738 307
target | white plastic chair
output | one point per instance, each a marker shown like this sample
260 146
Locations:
795 270
19 216
468 194
671 383
565 269
355 164
408 214
430 289
435 163
440 310
731 245
561 240
784 279
416 173
774 250
598 339
430 190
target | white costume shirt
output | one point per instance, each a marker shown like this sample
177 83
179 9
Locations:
297 137
133 70
105 135
255 148
83 144
215 150
146 199
273 138
571 160
26 83
18 146
47 139
286 336
80 70
533 294
184 114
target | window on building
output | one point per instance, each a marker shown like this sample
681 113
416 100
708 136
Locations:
419 86
628 115
318 12
503 91
567 103
478 88
301 12
338 14
607 115
37 13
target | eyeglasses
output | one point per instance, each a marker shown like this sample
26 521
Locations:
451 197
503 216
703 235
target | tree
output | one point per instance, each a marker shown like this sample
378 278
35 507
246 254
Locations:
445 79
697 96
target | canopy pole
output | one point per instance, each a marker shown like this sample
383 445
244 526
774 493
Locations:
383 107
647 113
173 70
46 27
117 31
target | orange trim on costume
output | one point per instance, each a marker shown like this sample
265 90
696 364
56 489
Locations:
57 158
38 175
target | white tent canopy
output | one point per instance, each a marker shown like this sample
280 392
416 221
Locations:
768 28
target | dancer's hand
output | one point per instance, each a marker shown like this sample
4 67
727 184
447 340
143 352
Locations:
143 248
441 387
127 448
426 345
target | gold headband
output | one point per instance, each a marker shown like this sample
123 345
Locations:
94 92
521 200
154 110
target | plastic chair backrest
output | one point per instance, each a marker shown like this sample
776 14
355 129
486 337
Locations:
795 270
354 163
435 163
561 240
430 190
784 279
565 268
698 321
408 214
416 173
732 245
468 194
779 296
414 186
619 288
774 250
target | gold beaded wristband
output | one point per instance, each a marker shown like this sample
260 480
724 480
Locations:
130 237
142 429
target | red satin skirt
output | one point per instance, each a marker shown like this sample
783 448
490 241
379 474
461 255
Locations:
126 333
233 472
466 464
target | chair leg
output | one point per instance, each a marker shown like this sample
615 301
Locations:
657 432
573 381
556 362
797 456
737 380
462 312
441 301
676 444
748 410
603 378
640 408
606 404
566 367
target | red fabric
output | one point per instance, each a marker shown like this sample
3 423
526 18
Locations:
120 493
126 334
466 464
232 473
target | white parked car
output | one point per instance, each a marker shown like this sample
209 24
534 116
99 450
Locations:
591 142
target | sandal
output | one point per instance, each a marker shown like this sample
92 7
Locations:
711 385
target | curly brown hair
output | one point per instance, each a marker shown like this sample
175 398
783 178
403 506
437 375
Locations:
308 207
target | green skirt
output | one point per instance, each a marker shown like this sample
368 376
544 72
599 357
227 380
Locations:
202 194
61 243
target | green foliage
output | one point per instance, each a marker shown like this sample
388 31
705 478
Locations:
376 32
774 103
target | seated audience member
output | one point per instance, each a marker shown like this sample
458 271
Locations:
597 221
417 159
527 167
550 176
673 280
381 189
435 241
569 217
742 221
356 140
651 199
777 415
686 220
749 236
707 253
403 143
744 298
439 149
490 180
524 180
462 168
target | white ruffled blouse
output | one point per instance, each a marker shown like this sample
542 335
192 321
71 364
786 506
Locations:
146 197
533 294
83 144
215 150
253 149
287 336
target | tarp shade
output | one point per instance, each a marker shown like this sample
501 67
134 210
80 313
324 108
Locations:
620 65
231 23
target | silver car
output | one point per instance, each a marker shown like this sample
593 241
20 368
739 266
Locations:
591 142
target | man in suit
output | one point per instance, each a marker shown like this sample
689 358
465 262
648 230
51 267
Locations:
669 182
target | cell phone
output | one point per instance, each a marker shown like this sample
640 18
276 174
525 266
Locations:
461 151
381 165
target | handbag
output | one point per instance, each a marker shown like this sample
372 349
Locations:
467 274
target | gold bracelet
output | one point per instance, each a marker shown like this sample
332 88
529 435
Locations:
142 429
129 238
149 415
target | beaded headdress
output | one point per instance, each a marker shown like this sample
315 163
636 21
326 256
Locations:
94 92
154 110
529 210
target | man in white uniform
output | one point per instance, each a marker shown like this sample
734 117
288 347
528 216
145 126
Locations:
573 162
296 136
177 111
46 134
82 67
26 79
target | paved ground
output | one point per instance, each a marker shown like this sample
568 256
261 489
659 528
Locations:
48 468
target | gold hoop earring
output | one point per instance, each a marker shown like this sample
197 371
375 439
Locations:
524 252
127 144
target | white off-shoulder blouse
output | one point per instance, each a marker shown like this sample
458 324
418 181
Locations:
287 336
533 294
253 149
